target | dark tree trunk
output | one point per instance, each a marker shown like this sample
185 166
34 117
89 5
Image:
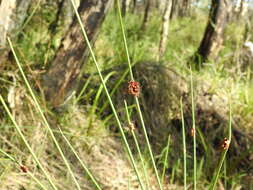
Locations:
61 79
174 9
213 36
146 15
134 6
125 6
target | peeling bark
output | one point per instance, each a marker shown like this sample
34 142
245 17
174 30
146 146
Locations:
12 16
61 78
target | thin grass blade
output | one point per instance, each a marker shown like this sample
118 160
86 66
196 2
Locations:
35 158
43 116
184 144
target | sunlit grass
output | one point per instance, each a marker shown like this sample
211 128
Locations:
142 47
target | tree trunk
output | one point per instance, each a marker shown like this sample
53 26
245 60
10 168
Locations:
174 9
242 11
213 36
61 79
185 8
12 16
125 6
134 6
64 16
165 29
146 15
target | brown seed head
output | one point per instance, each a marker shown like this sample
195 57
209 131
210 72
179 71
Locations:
225 144
131 126
193 132
134 88
24 169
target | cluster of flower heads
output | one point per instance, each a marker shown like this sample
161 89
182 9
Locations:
224 144
134 88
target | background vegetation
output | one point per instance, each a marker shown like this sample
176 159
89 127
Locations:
86 119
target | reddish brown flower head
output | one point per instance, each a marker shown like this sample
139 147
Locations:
193 132
225 144
24 169
134 88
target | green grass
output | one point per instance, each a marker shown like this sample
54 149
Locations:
93 111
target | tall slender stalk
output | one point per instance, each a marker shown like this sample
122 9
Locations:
137 146
107 95
124 39
28 172
224 152
194 137
225 174
43 116
136 99
165 160
35 158
184 143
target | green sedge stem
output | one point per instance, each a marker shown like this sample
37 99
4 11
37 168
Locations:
43 116
184 143
148 144
125 41
165 159
136 99
107 94
223 156
194 137
27 144
137 146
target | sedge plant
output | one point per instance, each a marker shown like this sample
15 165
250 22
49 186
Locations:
34 156
136 98
43 116
25 170
184 143
131 128
225 147
51 131
194 136
108 95
165 164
